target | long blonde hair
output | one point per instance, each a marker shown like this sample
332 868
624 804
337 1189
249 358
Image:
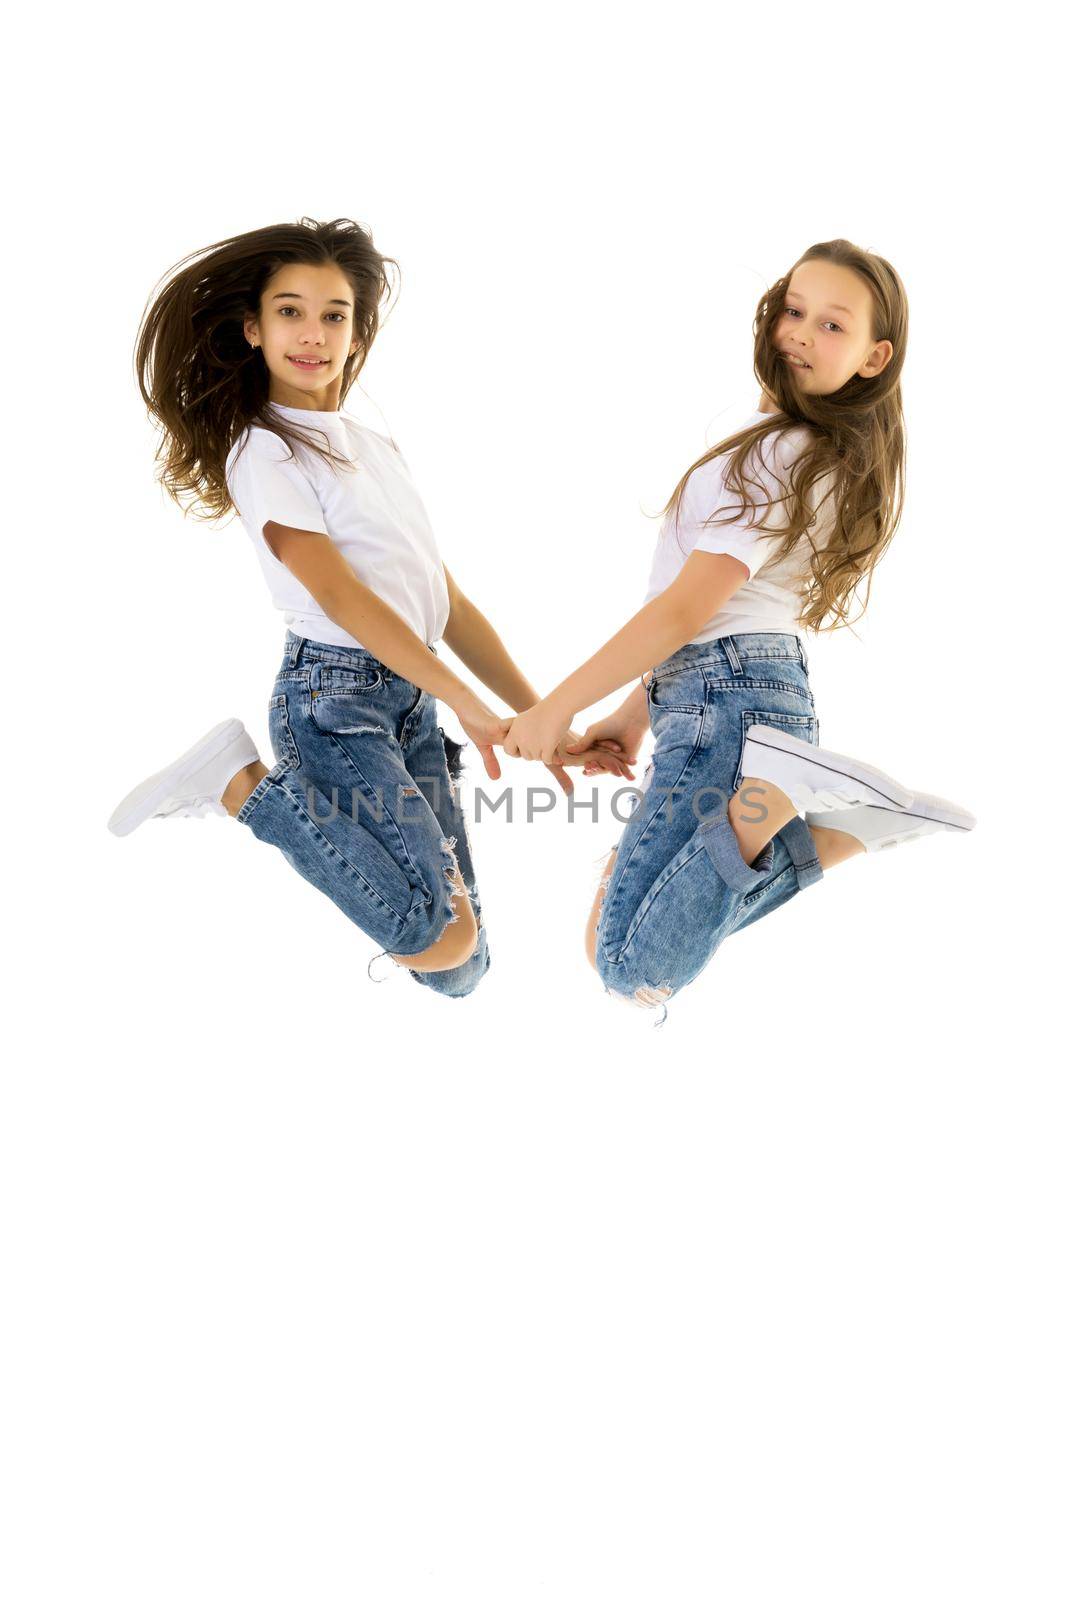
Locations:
855 446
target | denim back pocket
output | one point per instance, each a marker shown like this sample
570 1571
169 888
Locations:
281 735
343 699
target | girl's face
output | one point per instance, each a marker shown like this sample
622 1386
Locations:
826 323
306 312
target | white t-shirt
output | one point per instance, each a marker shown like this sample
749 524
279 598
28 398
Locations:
764 604
373 515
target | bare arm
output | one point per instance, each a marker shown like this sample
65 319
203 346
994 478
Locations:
478 645
315 561
702 588
672 619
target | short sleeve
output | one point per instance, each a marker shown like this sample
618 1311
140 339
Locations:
705 495
267 485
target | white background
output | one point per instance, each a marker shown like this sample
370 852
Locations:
321 1287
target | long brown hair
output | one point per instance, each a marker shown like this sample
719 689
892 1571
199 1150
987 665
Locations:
857 451
201 380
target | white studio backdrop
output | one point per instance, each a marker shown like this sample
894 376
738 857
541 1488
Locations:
321 1286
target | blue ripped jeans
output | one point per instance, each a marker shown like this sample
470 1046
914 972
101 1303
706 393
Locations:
363 803
679 884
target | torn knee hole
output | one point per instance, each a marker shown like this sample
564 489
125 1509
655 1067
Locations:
647 996
453 766
610 868
603 881
453 877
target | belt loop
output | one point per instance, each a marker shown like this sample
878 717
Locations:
732 656
295 648
803 652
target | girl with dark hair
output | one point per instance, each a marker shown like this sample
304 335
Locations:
736 580
244 359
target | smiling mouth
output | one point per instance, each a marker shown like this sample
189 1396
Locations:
803 366
304 361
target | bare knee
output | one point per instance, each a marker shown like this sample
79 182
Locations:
594 915
456 943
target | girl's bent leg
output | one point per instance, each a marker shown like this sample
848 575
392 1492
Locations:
342 807
682 873
703 894
343 859
457 943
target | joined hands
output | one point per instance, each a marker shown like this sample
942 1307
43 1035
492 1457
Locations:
542 733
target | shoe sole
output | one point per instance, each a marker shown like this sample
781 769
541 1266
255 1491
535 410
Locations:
821 768
141 802
929 814
932 808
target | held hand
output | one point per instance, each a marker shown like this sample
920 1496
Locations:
535 734
619 734
611 763
541 734
484 729
604 755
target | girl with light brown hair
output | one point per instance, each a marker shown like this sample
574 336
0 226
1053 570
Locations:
765 538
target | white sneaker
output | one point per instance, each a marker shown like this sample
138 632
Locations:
193 785
817 779
877 828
